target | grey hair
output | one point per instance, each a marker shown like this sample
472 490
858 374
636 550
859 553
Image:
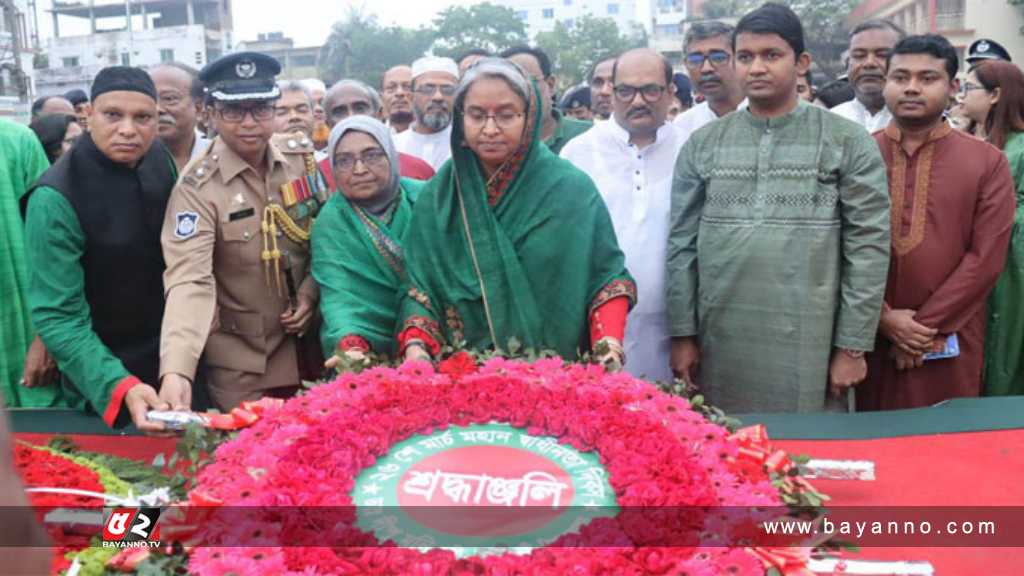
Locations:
494 68
294 86
704 30
879 24
370 91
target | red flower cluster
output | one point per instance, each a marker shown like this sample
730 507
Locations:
658 452
42 468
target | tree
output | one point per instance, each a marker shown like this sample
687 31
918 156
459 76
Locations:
493 28
574 49
360 48
823 20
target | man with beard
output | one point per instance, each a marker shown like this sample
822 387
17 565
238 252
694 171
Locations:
631 159
871 43
557 130
179 102
433 84
600 81
953 211
779 238
708 48
92 245
397 89
353 98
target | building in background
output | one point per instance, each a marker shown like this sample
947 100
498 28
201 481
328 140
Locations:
90 35
669 20
17 51
541 15
296 63
961 21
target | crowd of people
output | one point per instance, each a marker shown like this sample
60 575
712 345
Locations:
777 245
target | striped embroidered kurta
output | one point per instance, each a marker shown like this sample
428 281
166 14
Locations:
778 252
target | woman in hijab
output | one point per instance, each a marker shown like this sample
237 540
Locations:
509 241
57 133
356 241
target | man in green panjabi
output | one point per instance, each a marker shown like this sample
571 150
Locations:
357 241
779 238
22 160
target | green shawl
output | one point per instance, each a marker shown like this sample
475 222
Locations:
358 263
546 251
1004 341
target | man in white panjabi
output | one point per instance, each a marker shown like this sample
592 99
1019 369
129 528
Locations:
631 159
871 42
433 84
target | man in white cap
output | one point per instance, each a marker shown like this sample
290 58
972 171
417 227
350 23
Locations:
433 84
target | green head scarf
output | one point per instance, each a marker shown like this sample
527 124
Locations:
525 254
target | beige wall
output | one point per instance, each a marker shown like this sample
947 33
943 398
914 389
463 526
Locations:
998 20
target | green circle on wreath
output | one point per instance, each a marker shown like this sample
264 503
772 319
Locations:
481 489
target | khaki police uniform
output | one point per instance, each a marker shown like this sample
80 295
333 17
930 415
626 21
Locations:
223 296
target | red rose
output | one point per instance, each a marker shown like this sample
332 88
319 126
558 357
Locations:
458 365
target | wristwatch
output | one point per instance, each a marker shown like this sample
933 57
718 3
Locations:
855 354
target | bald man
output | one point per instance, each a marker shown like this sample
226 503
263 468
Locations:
46 105
631 159
397 88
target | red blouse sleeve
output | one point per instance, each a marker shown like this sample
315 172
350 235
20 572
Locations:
609 319
413 333
353 342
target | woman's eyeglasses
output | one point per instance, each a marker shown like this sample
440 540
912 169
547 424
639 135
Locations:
370 158
503 120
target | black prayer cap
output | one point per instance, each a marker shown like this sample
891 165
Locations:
575 98
241 76
985 49
123 79
76 96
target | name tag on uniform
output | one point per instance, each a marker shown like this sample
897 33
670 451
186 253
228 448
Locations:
240 214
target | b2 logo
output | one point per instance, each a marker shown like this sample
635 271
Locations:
131 525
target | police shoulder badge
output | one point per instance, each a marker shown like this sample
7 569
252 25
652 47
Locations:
186 224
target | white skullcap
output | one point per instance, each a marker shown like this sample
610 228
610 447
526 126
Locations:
434 64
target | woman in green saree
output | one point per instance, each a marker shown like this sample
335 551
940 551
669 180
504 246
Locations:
993 97
509 241
357 241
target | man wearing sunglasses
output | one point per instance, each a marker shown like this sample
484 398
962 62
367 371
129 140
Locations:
236 241
709 63
433 86
631 159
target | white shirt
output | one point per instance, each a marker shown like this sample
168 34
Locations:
698 117
199 145
854 110
636 185
434 149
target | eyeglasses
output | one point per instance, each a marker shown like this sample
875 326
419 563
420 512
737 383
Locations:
651 93
339 113
430 89
967 87
503 120
375 158
716 57
236 112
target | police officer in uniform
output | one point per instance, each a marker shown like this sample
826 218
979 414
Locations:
236 242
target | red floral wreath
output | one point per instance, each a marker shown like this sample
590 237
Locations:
658 453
